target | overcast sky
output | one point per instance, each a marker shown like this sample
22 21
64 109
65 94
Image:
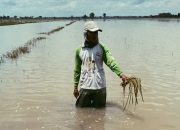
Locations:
68 8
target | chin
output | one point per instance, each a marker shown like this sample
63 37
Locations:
95 41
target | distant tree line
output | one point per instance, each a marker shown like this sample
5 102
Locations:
92 16
168 15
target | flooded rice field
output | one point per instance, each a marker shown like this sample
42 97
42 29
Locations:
36 88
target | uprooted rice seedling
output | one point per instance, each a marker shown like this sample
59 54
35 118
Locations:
135 87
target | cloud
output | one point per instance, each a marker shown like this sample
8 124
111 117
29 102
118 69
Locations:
136 2
81 7
7 3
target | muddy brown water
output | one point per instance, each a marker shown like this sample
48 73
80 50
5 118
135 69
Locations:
36 89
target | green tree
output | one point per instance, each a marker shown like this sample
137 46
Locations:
40 17
84 16
165 15
15 17
104 15
92 15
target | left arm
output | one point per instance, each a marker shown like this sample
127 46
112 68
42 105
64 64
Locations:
110 61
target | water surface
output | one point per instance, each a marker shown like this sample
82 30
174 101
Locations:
36 90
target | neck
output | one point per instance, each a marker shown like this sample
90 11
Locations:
90 44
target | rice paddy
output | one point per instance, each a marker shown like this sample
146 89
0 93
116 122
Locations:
15 53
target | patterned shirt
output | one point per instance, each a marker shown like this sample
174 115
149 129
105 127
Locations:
89 72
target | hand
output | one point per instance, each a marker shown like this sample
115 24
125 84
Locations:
124 79
76 92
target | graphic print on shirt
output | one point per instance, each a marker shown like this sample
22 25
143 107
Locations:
90 63
92 71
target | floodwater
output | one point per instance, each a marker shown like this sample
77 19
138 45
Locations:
36 89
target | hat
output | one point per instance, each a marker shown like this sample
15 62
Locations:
91 26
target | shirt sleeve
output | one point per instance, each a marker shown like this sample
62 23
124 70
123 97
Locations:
77 68
110 61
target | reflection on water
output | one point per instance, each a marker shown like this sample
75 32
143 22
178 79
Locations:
89 119
36 90
97 119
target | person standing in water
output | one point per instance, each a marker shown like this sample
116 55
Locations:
89 73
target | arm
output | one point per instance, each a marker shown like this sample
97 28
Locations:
110 61
112 64
77 72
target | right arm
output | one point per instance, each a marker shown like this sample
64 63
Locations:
77 72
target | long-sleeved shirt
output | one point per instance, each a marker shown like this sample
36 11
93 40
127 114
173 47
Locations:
89 72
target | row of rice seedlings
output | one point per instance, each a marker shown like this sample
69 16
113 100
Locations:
52 31
33 41
70 23
56 29
14 54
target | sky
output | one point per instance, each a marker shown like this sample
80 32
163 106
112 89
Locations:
67 8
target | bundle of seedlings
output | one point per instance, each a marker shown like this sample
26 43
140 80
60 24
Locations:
135 87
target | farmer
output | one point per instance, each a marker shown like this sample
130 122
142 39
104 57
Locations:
89 73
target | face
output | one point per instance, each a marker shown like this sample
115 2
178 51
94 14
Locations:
92 36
